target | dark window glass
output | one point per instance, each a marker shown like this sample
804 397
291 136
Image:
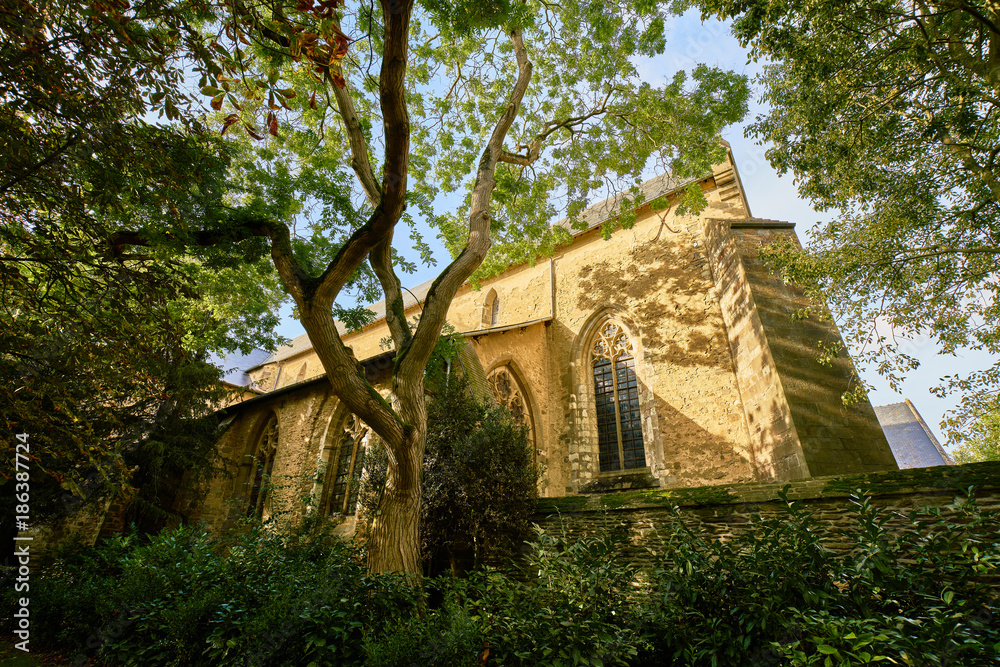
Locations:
616 394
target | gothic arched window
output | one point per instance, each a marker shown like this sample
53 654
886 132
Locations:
344 472
616 393
508 392
491 309
263 465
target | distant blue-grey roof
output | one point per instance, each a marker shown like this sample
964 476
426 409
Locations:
236 364
911 441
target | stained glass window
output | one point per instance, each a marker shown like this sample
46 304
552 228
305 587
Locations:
345 472
616 393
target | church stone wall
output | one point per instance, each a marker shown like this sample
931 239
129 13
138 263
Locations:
836 439
524 292
728 388
303 417
720 512
777 452
525 352
654 280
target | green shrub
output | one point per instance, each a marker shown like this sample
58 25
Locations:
571 608
445 637
774 595
480 482
771 595
479 485
185 597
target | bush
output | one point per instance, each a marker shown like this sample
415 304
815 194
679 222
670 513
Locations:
479 487
445 637
480 482
575 610
185 597
772 595
775 595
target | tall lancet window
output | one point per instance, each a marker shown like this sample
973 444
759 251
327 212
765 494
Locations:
616 389
262 468
344 473
491 309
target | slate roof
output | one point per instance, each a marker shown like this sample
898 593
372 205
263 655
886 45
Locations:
912 442
602 211
235 365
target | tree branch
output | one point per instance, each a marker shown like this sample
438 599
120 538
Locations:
964 153
360 159
534 148
396 119
438 300
48 160
381 261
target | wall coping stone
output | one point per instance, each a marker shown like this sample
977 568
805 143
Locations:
938 480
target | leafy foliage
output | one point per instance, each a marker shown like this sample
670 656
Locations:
188 598
574 609
980 441
480 482
886 111
104 350
917 593
776 593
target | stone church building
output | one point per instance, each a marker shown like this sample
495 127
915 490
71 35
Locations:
664 356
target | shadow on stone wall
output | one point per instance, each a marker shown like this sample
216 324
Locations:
688 453
680 328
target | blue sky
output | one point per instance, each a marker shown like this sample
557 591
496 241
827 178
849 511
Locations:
690 41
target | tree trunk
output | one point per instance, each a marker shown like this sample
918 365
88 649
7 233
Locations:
394 537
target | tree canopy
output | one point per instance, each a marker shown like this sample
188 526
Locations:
981 441
103 352
887 113
339 121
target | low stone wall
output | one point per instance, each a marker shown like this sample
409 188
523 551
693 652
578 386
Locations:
722 511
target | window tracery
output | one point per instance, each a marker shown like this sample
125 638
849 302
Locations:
263 466
508 392
344 473
616 394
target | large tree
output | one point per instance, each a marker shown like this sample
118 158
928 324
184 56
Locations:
102 354
364 116
887 112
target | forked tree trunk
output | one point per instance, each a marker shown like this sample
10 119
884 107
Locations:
394 543
394 536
